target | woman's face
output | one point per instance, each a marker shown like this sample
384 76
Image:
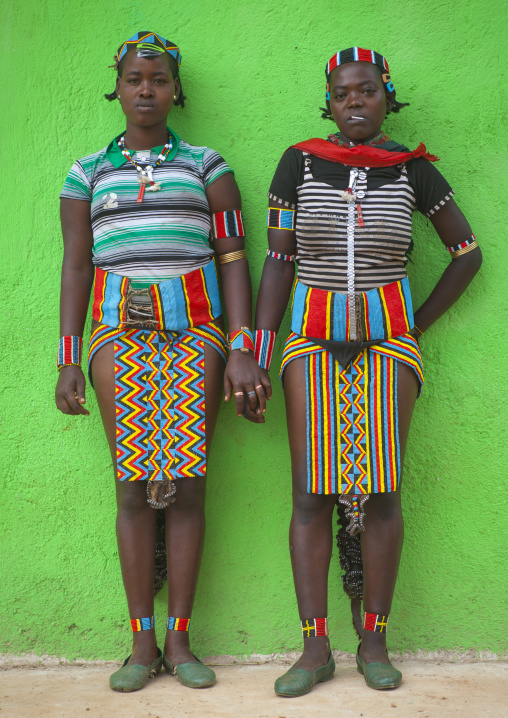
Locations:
358 100
146 89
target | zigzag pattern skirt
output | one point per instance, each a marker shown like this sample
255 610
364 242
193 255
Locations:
160 400
352 415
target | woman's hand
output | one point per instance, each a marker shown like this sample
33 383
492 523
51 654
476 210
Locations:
249 384
70 391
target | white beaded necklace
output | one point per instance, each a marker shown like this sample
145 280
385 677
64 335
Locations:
145 176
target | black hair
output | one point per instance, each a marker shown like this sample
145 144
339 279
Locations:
173 67
326 113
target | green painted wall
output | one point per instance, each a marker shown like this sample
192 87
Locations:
253 74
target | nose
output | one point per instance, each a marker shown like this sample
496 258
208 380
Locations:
355 99
145 89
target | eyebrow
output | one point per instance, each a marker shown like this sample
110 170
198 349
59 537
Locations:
136 72
359 84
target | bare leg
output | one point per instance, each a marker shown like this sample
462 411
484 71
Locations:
384 532
310 535
135 523
185 524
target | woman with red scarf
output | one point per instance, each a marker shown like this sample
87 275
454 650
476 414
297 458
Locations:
352 368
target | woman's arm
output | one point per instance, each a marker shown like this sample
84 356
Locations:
242 373
77 278
277 278
453 229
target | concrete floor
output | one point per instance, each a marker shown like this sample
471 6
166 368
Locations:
429 690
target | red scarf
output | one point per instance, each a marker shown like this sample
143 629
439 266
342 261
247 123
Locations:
361 155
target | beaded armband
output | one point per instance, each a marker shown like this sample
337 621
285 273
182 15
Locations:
314 627
278 255
375 622
142 624
69 351
464 247
228 224
242 340
281 218
264 342
177 624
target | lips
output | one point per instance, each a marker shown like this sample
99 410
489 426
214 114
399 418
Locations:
144 106
356 118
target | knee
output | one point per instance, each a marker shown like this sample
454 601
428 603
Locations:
385 508
308 508
190 495
131 497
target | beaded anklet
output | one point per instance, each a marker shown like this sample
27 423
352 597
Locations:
177 624
142 624
375 622
313 627
69 351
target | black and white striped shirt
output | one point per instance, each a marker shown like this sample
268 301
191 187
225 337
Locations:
387 197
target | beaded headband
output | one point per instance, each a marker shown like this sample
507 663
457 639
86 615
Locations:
148 44
358 54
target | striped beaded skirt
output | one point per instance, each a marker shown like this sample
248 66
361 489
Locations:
352 415
160 400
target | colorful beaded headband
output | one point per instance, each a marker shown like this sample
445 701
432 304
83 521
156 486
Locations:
147 44
358 54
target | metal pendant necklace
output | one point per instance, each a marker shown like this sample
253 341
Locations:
145 174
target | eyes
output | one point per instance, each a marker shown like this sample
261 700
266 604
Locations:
156 81
369 91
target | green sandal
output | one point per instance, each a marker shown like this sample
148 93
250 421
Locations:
298 681
379 676
133 677
192 675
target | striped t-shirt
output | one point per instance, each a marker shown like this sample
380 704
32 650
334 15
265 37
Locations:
165 235
387 196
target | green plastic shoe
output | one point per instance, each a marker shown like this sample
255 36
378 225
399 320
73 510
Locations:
298 681
133 677
192 675
379 676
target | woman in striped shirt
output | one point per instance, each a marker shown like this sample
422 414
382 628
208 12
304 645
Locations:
352 366
137 220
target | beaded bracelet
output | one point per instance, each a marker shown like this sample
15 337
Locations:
463 247
69 351
242 340
278 255
264 343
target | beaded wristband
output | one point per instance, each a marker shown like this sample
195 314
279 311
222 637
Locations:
142 624
314 627
242 340
464 247
177 624
278 218
228 224
69 351
375 622
264 342
278 255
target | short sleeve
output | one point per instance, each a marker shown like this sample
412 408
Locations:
287 178
214 166
77 184
431 189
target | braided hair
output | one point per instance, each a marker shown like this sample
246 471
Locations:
173 67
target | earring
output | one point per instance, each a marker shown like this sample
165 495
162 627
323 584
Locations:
175 98
118 96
